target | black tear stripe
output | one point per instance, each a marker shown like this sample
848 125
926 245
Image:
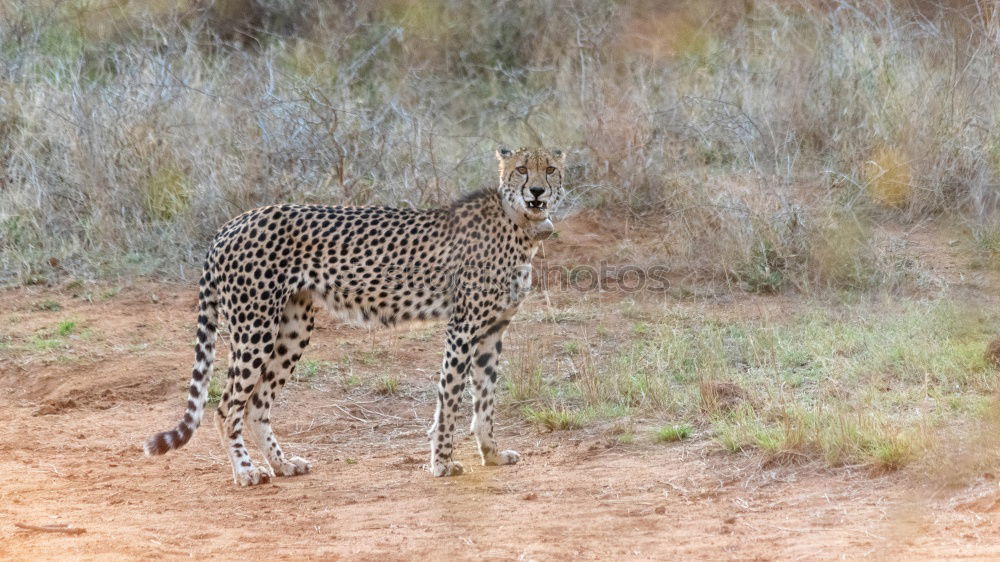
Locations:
525 164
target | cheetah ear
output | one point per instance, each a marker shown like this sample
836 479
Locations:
504 153
558 153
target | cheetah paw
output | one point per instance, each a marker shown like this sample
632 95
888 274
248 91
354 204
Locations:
449 468
292 466
252 477
504 457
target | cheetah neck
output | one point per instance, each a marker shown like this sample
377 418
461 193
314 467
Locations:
490 213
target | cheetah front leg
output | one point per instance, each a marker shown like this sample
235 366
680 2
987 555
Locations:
484 381
450 388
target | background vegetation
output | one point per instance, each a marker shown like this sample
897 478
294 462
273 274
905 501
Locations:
769 135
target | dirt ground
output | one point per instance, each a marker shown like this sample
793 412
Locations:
75 414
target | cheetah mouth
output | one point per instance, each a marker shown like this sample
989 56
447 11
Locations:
538 205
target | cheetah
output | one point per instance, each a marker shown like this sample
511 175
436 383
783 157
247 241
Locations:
468 264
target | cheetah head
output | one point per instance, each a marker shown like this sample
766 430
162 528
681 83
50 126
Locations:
531 181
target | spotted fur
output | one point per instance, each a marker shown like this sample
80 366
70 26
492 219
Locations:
468 264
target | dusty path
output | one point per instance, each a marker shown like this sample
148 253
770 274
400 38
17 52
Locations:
75 413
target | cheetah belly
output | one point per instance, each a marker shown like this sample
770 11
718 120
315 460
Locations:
346 309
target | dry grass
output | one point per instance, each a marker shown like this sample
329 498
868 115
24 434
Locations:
766 137
877 383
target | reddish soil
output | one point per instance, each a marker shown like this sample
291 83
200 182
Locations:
76 411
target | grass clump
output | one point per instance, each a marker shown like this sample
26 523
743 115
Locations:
838 437
764 271
215 388
309 369
37 343
625 438
65 328
387 385
672 433
46 305
555 419
167 193
523 377
888 177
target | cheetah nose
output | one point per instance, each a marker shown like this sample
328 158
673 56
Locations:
537 191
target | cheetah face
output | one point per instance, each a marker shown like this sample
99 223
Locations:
531 181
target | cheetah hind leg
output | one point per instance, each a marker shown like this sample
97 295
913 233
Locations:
242 477
297 321
233 412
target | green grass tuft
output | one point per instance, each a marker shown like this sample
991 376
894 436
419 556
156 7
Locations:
672 433
626 438
308 369
43 344
215 387
387 385
555 419
47 305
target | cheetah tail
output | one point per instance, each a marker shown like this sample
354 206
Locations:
198 392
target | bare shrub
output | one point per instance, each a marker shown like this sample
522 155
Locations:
767 134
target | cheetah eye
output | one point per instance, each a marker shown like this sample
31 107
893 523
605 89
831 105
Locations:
522 170
550 170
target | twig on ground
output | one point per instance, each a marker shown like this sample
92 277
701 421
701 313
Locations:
52 528
373 412
352 416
